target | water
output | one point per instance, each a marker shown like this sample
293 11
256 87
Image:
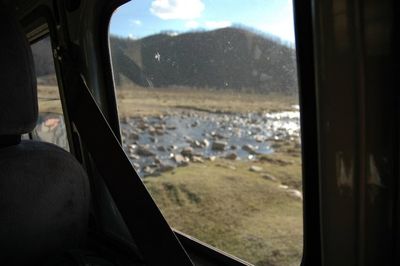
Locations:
244 135
153 142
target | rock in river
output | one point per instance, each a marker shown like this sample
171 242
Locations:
231 156
197 159
180 160
219 145
187 151
249 148
144 151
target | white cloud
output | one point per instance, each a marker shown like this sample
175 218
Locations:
191 24
136 22
132 37
217 24
177 9
282 27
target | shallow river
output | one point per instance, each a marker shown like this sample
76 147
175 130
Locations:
153 143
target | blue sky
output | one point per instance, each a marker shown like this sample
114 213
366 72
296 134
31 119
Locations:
139 18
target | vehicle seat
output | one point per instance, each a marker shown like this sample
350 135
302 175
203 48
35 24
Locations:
44 191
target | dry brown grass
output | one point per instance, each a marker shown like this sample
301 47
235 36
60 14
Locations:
137 101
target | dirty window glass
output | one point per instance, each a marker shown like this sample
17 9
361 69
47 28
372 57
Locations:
50 125
207 96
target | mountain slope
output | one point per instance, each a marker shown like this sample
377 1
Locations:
224 58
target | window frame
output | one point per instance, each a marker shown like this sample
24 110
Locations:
304 35
105 95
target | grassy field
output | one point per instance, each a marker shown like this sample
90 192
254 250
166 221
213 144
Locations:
242 212
136 101
254 215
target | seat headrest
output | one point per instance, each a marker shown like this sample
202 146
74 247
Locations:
18 92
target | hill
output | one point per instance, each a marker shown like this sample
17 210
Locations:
231 58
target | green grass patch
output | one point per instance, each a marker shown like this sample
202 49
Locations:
228 206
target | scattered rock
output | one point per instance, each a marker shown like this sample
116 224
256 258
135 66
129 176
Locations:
219 145
295 193
259 138
143 126
165 167
151 130
276 145
187 151
255 168
144 151
231 156
196 144
270 177
249 148
161 127
133 156
133 136
283 186
181 160
217 135
212 158
205 143
197 159
132 146
275 161
148 170
159 132
172 147
161 148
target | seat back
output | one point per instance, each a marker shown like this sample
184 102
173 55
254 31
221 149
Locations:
44 191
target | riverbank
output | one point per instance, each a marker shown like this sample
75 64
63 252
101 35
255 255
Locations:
223 166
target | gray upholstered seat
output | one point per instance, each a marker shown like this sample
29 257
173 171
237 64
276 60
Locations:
44 192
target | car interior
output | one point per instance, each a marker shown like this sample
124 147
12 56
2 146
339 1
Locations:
89 206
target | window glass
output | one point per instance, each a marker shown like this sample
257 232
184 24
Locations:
50 126
208 103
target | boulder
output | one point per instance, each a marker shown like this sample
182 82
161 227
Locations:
133 156
270 177
172 147
133 136
259 138
249 148
255 168
166 167
295 193
148 170
219 145
205 143
212 158
231 156
187 151
197 159
196 144
161 148
181 160
144 151
171 127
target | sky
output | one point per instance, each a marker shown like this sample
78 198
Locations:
140 18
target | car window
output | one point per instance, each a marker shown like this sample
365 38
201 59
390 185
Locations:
50 125
207 96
